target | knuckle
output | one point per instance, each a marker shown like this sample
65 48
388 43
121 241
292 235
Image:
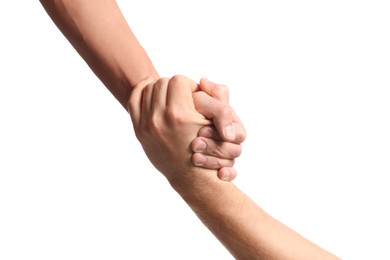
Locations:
174 115
161 81
198 159
241 135
225 150
219 163
237 151
225 111
148 88
215 164
221 90
155 124
177 79
217 151
207 131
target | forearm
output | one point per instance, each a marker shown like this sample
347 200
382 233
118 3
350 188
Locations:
102 37
246 230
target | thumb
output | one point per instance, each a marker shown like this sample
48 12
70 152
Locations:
221 114
218 91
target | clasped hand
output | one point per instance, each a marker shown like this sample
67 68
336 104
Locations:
185 127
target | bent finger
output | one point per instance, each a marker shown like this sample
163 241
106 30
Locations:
210 162
217 91
180 90
134 104
222 150
212 132
221 93
227 173
221 114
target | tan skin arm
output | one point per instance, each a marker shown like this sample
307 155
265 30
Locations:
100 34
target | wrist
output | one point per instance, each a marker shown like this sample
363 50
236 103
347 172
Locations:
197 184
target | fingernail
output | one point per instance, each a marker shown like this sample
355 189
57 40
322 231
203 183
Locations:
229 131
200 146
200 160
224 175
207 132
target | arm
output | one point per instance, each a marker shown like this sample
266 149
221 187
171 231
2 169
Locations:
100 34
246 230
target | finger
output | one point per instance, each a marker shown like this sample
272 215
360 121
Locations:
180 101
160 94
210 147
227 173
221 114
239 129
212 132
147 102
240 132
221 93
155 104
180 90
134 103
217 91
210 162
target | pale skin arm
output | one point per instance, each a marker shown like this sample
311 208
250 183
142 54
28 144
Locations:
245 229
100 34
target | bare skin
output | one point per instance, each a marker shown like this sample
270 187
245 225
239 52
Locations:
245 229
206 104
171 126
100 34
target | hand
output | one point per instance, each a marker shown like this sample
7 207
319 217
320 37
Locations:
217 147
165 122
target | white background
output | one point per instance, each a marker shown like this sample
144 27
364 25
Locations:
310 80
